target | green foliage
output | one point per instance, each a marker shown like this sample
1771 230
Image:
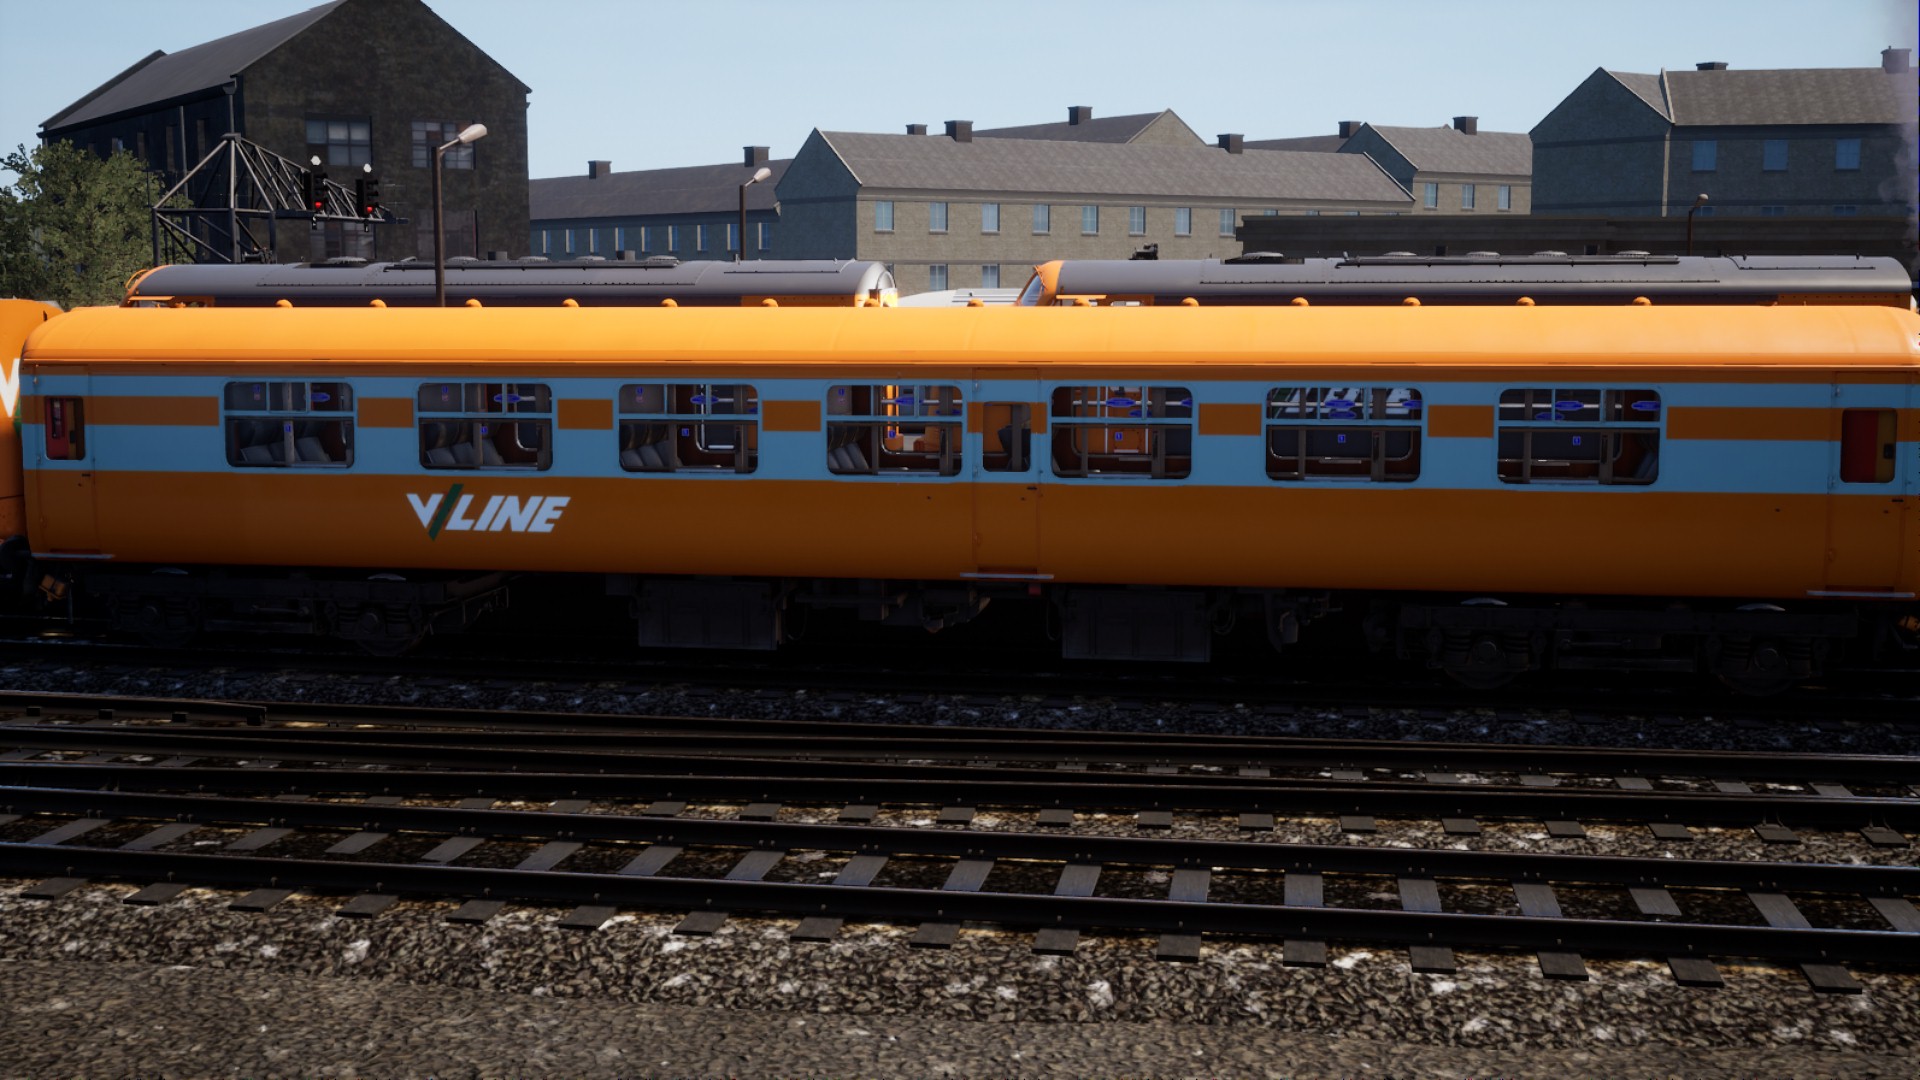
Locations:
74 228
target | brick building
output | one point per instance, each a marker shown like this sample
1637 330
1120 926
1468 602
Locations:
689 213
353 82
1456 169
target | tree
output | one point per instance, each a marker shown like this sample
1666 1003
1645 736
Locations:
73 228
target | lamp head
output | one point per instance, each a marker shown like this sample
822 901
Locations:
760 174
473 131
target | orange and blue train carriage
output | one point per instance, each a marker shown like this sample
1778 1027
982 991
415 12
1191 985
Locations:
1504 488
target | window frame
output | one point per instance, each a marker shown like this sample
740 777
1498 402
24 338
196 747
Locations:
1042 219
989 270
1706 155
938 276
474 413
355 150
430 135
1183 221
1367 412
1229 221
883 215
938 217
1846 154
866 427
1504 199
990 218
1611 420
1089 212
1164 422
1774 155
692 407
1429 195
294 409
1136 221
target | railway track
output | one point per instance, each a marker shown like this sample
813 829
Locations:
1057 835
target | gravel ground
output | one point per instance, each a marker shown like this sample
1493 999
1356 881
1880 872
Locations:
96 987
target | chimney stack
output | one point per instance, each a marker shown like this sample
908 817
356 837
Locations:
1348 127
1894 61
960 130
1711 65
1079 114
1467 125
916 129
755 156
1232 144
598 169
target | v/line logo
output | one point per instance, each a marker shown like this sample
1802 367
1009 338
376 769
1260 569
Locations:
500 513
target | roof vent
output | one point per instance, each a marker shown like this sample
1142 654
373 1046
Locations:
577 258
1467 125
624 255
1348 127
598 169
1399 255
1894 61
1079 114
1711 65
1232 144
916 129
1554 254
533 258
345 260
1634 253
960 130
659 262
753 156
1483 254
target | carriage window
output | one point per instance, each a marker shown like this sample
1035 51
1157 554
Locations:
66 429
295 424
886 428
1867 446
1344 433
485 425
1579 436
689 427
1144 431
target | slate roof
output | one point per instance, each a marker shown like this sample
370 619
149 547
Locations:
1782 96
163 76
925 163
693 189
1449 150
1102 129
1311 144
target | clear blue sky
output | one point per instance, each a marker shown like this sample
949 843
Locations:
649 84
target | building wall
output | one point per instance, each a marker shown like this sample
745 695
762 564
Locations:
1601 151
394 62
1167 130
607 237
1811 185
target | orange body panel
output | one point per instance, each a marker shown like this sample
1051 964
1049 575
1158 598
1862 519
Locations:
18 318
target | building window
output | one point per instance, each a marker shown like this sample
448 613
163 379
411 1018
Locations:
342 142
430 135
990 276
1706 155
646 236
485 426
1344 433
1042 219
1506 196
593 241
570 243
1846 154
1123 431
883 216
700 237
990 217
673 238
1430 196
140 147
1136 221
200 137
765 239
1773 211
1578 436
1227 221
1466 196
937 277
733 236
1846 211
1773 155
936 217
670 427
1706 211
1089 221
1312 213
1183 221
298 424
894 429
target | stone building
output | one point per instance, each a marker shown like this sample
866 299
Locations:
1799 142
967 209
353 82
1449 170
689 213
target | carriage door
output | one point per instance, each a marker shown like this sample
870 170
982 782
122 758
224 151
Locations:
1006 479
1868 508
63 455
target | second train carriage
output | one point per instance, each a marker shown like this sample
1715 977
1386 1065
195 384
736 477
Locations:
1549 278
587 282
1510 488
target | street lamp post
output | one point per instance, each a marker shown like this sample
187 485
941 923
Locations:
758 175
1698 202
472 132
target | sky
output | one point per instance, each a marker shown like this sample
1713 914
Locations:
649 84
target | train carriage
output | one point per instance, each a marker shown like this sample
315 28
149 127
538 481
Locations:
1507 488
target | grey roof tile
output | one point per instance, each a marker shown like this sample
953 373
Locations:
1022 166
202 67
1310 144
694 189
1448 150
1104 129
1645 87
1791 96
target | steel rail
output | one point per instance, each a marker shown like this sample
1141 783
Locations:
895 904
596 753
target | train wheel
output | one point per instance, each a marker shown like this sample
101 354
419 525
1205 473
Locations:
387 630
166 622
1485 659
1759 666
